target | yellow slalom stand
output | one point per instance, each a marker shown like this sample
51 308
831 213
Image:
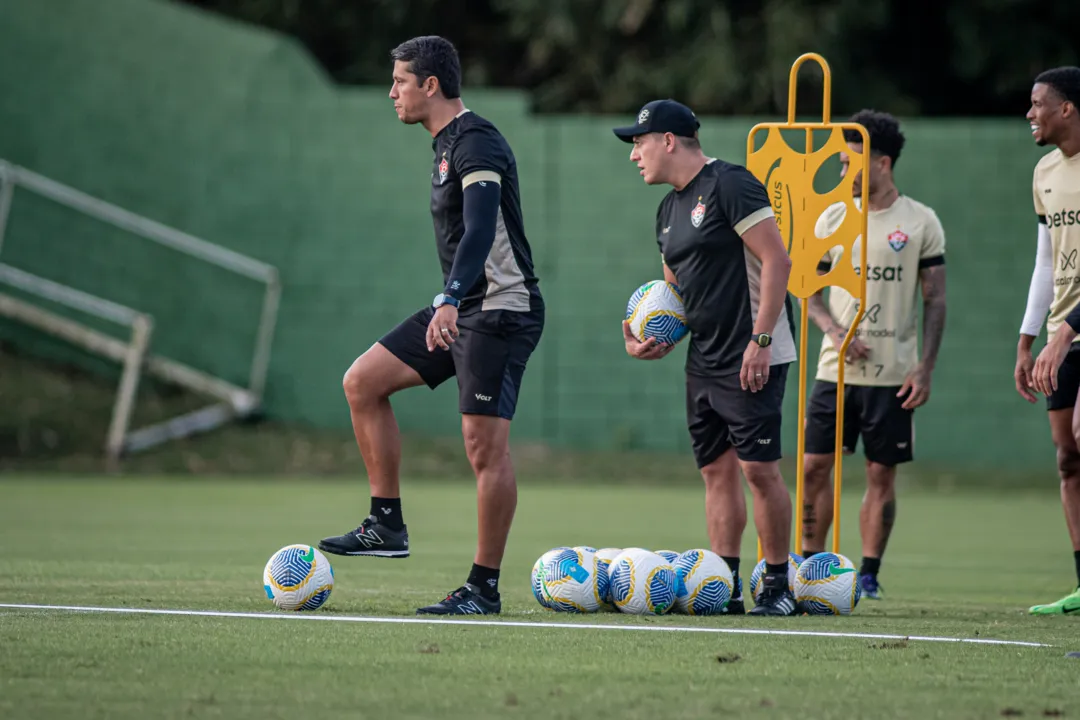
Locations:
788 176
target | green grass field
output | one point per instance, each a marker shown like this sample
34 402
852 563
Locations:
962 565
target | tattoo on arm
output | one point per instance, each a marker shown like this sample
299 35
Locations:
932 280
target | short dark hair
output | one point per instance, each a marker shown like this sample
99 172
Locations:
884 131
1065 81
432 56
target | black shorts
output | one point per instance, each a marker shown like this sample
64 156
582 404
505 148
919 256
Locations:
874 413
720 415
488 357
1068 382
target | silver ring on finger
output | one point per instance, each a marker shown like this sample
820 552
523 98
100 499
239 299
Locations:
445 331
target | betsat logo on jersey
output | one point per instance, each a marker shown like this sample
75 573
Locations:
1063 218
656 310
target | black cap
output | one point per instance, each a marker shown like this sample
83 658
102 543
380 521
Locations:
661 116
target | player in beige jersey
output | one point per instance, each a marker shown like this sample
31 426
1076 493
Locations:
1054 294
885 378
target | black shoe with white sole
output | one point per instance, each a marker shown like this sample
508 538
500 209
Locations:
466 600
775 598
371 538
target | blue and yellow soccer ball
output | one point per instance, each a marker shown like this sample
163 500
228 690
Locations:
705 583
642 583
570 580
670 555
827 584
656 311
604 556
298 577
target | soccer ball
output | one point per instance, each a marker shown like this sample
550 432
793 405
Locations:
603 580
642 583
537 586
827 584
298 577
794 561
705 583
604 556
656 311
569 580
670 555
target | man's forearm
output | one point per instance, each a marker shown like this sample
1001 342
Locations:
933 331
933 283
481 209
775 270
819 313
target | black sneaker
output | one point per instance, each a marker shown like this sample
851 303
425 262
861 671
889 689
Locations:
735 605
466 600
371 538
776 597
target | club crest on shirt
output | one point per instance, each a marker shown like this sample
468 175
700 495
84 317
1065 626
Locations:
698 213
897 240
444 169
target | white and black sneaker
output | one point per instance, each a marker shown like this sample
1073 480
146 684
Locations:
775 598
466 600
371 538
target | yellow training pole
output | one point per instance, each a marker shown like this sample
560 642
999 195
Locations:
788 176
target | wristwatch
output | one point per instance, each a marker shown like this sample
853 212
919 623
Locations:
444 299
762 339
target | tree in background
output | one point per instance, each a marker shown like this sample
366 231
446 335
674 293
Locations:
913 57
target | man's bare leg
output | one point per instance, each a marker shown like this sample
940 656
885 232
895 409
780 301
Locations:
817 501
1064 426
369 383
725 515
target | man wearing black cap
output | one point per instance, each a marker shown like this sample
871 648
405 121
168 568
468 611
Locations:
720 245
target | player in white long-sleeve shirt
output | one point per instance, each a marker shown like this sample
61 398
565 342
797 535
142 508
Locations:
1054 293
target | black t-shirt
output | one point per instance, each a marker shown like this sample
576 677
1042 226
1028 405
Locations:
699 230
467 146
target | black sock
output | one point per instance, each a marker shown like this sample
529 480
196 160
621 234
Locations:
388 511
870 566
733 563
1076 557
771 569
812 554
486 580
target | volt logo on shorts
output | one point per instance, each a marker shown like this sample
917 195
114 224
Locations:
483 398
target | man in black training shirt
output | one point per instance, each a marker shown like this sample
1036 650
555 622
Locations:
482 328
720 245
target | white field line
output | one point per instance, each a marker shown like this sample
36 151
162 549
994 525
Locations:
509 623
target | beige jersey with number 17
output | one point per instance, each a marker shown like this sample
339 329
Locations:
903 239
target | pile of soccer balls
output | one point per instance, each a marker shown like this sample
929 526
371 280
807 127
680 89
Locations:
697 582
584 580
